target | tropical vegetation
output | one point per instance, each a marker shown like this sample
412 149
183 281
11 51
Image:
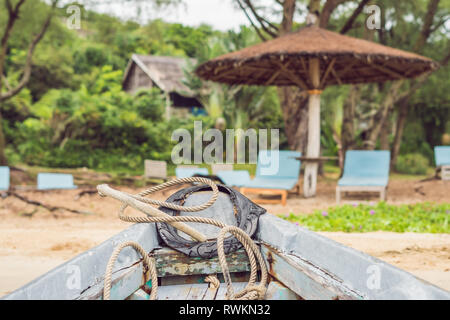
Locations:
73 112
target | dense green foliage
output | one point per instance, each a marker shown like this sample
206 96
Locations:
413 163
73 112
422 217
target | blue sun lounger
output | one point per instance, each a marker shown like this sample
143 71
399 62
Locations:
190 172
235 178
277 172
442 157
366 171
4 178
50 181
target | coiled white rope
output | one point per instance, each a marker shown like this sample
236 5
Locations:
250 292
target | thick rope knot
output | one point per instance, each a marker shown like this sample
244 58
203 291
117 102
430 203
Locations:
250 292
252 251
213 281
149 263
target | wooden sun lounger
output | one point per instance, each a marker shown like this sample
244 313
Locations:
54 181
280 183
4 178
365 171
442 156
156 169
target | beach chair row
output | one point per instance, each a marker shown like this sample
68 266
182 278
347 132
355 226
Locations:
277 173
45 181
364 171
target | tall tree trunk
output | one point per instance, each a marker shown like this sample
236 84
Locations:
294 104
338 141
427 25
384 134
3 160
293 101
348 121
288 17
401 120
381 116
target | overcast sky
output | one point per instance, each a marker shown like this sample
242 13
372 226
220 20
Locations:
221 14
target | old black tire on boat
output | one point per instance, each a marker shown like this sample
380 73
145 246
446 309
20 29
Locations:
245 216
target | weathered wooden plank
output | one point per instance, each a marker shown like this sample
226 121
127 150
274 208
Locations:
197 291
210 294
124 283
237 286
305 280
182 292
277 291
174 280
178 292
171 263
139 295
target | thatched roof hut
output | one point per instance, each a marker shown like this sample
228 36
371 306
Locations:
343 60
165 73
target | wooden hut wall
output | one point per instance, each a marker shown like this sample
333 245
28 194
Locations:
137 79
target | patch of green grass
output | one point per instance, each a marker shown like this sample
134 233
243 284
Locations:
421 218
331 168
401 176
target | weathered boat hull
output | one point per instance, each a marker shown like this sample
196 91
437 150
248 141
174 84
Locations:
302 265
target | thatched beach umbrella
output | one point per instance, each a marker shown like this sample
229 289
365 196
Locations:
312 59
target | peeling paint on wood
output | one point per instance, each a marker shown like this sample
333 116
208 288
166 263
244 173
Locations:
277 291
237 286
183 292
305 280
139 295
330 260
174 280
170 262
125 282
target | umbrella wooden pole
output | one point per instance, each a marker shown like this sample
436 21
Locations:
313 147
